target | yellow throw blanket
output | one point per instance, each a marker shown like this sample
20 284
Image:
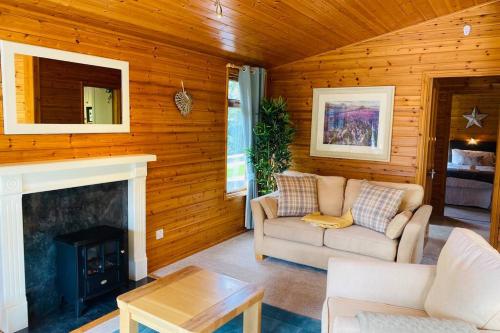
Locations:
326 221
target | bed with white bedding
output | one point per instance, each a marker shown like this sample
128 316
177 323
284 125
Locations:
470 174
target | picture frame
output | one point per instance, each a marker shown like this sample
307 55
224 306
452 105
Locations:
352 123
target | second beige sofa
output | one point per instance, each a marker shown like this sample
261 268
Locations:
290 239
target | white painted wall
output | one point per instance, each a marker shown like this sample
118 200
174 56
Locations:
101 102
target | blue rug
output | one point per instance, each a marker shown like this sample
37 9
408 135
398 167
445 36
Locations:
274 320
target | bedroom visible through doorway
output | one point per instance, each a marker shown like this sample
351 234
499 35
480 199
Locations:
463 164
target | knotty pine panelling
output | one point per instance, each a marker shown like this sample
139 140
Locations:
400 59
264 32
185 186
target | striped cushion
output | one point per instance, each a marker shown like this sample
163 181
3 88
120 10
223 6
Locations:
298 195
375 206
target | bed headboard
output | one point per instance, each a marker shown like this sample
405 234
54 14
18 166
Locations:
480 146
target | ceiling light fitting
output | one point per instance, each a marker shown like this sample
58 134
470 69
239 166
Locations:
467 30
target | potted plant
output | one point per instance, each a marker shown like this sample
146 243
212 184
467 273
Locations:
273 135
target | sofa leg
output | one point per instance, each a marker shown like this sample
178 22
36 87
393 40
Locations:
259 257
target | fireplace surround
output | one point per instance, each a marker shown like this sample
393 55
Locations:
48 215
18 179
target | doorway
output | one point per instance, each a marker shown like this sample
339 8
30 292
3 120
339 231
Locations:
462 179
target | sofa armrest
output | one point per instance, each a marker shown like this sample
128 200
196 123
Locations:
411 245
259 216
391 283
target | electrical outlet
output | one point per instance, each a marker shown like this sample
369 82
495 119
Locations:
159 234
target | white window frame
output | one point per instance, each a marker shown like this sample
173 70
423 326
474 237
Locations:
11 126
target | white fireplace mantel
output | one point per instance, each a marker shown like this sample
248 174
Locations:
18 179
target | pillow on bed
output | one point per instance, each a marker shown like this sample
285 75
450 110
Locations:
472 157
461 167
457 157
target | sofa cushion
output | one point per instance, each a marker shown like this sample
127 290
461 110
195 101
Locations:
331 194
412 198
270 206
293 229
397 225
360 240
376 206
298 195
466 284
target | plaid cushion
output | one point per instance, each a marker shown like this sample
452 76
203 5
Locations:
298 195
376 205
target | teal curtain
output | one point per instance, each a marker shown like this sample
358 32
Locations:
252 89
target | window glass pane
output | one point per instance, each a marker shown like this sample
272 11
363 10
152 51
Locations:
233 91
236 154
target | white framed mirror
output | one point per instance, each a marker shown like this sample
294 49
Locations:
48 91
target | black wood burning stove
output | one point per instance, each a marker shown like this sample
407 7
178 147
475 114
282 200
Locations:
90 263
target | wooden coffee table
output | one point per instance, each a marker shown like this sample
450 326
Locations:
191 300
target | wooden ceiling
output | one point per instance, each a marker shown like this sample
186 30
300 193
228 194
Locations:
260 32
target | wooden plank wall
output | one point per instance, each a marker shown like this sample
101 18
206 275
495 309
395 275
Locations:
400 59
21 93
463 104
185 186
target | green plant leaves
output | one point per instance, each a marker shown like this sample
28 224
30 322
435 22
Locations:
273 135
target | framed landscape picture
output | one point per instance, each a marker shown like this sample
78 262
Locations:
353 123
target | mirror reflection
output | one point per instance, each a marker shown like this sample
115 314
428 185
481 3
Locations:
52 91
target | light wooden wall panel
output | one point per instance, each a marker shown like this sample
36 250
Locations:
185 186
399 59
21 93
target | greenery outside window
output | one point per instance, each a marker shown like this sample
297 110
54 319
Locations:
236 166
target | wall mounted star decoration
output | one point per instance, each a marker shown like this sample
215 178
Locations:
475 118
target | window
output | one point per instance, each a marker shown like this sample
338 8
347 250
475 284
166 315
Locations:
236 181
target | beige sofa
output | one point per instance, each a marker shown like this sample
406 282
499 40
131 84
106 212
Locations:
290 239
403 289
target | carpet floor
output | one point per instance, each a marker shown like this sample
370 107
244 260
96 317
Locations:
440 227
469 215
296 288
274 320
